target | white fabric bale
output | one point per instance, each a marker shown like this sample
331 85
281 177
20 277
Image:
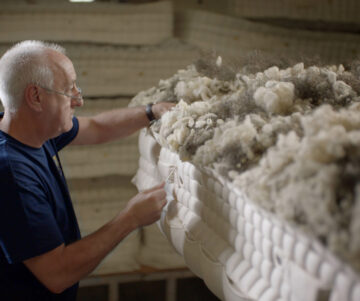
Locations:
144 24
233 36
118 157
336 11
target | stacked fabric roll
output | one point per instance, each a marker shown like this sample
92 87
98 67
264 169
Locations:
327 11
234 36
119 157
110 23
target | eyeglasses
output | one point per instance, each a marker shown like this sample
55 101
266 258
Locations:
77 97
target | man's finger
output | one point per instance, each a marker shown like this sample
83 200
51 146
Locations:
159 186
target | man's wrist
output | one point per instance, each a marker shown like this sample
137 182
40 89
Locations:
130 218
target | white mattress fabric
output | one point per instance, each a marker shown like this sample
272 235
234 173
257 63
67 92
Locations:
240 250
155 251
111 23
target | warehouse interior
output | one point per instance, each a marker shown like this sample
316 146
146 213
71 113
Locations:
120 48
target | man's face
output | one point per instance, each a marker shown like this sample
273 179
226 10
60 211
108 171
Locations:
60 108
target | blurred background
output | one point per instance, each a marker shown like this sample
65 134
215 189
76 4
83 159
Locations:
120 48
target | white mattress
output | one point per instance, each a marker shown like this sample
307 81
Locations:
241 251
156 251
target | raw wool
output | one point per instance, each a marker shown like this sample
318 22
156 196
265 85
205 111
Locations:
236 146
313 180
289 138
276 97
193 120
182 126
164 92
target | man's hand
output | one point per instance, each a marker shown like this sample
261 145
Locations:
161 107
145 208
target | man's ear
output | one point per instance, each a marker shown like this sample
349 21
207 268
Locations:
33 98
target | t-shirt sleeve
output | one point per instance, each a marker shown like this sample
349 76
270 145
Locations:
65 138
27 225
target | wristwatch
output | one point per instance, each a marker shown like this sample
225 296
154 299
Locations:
149 112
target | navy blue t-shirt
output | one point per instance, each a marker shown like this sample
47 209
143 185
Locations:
36 214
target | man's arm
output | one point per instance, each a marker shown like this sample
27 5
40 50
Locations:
63 266
115 124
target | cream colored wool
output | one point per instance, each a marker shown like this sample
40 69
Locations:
275 97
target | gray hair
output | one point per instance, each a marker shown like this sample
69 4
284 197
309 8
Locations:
25 63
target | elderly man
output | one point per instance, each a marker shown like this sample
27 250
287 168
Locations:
42 256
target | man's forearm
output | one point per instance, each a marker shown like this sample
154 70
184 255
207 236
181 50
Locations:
60 268
66 265
83 257
111 125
